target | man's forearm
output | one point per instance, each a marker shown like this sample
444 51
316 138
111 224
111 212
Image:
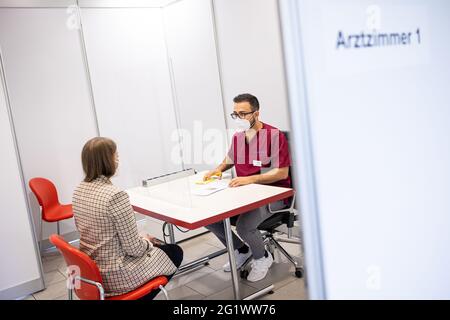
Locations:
227 164
271 176
224 167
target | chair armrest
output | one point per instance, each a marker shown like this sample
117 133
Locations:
289 209
94 283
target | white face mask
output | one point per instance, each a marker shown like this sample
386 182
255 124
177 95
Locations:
116 162
242 124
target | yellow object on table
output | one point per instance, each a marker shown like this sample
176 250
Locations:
213 178
205 181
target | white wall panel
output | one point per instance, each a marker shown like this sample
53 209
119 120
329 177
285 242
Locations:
373 131
49 97
249 40
132 90
191 43
127 58
20 264
123 3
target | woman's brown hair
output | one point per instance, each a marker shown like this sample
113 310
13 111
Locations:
98 158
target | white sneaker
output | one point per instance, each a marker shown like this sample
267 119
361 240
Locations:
260 267
241 258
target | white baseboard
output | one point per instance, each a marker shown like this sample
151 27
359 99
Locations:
22 290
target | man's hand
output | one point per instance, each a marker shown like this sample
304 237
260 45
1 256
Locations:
242 181
212 173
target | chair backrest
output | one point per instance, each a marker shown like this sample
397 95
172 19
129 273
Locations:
285 217
46 194
288 136
291 175
80 264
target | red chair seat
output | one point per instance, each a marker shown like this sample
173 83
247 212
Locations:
142 291
89 270
47 196
57 213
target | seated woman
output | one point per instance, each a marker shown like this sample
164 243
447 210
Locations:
108 231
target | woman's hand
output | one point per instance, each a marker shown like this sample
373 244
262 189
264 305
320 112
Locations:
153 240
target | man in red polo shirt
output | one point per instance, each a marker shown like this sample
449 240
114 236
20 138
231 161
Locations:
260 154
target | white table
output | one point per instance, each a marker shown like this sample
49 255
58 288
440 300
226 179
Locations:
173 202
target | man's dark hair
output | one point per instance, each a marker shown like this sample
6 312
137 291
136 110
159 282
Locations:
246 97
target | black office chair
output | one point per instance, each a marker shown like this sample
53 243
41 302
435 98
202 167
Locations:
286 216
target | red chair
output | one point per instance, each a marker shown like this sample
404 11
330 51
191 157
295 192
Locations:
51 209
85 277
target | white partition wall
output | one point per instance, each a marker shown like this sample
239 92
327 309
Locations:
20 269
371 119
249 42
127 59
50 99
194 66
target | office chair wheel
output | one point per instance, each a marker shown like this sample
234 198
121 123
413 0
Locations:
299 273
244 274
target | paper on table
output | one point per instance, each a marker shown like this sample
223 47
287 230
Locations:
210 188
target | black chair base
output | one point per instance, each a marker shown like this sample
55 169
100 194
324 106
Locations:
272 244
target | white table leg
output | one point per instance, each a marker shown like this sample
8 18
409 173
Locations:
230 247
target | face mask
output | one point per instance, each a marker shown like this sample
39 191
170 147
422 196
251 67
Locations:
116 161
243 124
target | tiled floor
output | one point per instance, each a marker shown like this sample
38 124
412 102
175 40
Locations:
209 282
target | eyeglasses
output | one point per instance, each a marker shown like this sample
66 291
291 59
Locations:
240 115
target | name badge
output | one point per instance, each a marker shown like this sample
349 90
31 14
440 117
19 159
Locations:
257 163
